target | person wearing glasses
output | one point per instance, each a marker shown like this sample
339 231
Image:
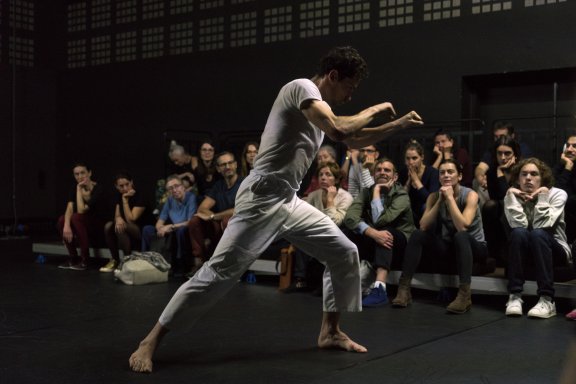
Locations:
360 173
267 206
215 210
172 223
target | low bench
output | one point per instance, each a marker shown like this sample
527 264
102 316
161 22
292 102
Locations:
58 249
494 283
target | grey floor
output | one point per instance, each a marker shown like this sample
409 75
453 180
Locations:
62 326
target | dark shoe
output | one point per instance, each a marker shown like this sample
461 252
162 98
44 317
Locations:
376 298
79 266
66 265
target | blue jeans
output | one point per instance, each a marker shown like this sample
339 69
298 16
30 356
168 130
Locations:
539 246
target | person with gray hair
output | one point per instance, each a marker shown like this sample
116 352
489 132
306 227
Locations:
184 163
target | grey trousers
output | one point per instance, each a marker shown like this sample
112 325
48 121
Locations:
261 217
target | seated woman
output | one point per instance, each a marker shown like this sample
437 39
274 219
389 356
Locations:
535 212
334 202
82 222
505 153
248 156
418 179
451 227
204 168
125 230
326 154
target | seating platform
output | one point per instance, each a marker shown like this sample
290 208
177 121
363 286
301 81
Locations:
58 249
493 283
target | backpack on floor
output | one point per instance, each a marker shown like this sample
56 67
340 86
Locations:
143 268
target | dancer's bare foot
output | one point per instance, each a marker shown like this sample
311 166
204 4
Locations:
331 337
141 359
339 340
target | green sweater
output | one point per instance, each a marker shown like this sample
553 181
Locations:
396 214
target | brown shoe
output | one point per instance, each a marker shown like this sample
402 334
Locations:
404 296
463 301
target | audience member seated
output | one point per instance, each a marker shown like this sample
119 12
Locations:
85 215
360 170
382 217
418 179
125 231
451 228
535 212
334 201
499 129
205 170
326 154
505 154
565 176
172 225
444 148
248 156
215 210
183 165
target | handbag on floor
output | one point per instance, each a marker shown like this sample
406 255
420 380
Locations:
143 268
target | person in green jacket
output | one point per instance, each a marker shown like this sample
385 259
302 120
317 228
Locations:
382 219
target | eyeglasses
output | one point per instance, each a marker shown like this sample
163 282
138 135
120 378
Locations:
173 187
227 164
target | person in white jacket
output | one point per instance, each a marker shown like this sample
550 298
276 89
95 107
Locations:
534 210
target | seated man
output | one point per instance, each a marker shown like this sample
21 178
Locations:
174 217
216 209
535 211
383 216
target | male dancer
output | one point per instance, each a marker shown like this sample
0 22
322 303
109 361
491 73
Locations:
267 206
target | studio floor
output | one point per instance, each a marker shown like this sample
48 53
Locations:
63 326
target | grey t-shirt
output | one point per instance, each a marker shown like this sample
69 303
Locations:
290 142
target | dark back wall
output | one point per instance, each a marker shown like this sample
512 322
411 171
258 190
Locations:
115 116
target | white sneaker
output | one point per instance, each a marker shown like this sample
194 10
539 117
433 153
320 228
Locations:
544 309
514 305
